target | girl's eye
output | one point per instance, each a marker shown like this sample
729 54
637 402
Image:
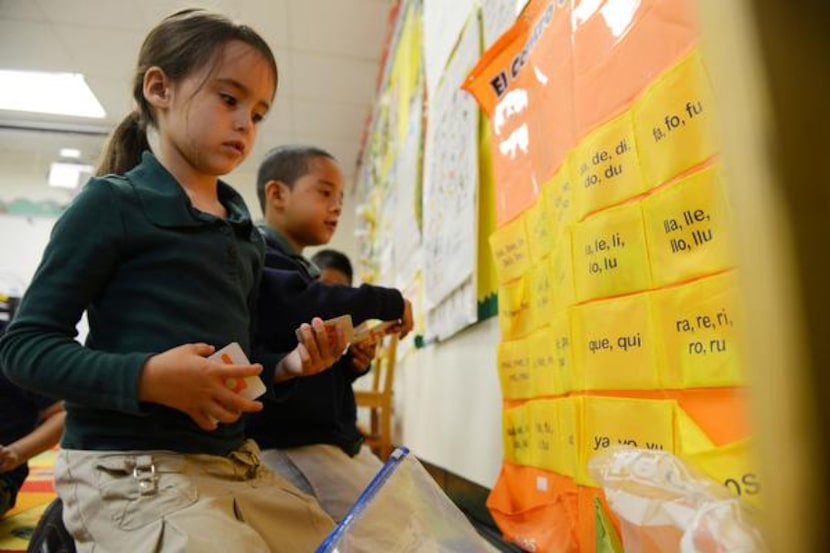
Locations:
228 99
257 117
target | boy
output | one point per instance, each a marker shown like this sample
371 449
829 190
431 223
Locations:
311 436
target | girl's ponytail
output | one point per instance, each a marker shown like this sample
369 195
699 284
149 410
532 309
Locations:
125 146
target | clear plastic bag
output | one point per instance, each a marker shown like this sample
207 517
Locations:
664 505
404 511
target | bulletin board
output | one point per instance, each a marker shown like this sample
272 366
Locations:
618 305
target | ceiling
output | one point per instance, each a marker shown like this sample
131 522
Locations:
327 50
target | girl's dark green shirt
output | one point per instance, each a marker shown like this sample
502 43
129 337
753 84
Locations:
153 273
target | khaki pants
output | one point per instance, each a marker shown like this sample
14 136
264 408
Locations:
172 502
326 472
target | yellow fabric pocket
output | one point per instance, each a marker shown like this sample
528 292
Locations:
539 229
673 122
608 421
610 255
698 325
688 228
516 436
606 168
515 371
561 267
515 317
541 294
510 249
561 210
613 345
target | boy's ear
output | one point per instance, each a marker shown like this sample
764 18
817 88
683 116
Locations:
156 87
276 192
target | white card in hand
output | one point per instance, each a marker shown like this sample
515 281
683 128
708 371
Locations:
250 387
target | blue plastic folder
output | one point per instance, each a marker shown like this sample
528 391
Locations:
403 510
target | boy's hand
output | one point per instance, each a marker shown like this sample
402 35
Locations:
182 378
9 459
313 354
362 354
405 323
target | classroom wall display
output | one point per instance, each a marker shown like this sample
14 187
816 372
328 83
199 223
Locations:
619 307
422 174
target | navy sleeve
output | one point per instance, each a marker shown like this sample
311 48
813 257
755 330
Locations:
288 299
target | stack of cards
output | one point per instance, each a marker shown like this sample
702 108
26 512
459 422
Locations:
344 322
250 387
369 329
373 330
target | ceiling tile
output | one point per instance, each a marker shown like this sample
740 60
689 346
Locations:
32 46
20 9
347 27
93 13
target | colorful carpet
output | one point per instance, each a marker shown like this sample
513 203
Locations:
17 526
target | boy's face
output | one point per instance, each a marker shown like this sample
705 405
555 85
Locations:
311 209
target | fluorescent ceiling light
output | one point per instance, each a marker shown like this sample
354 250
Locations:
41 92
73 153
69 175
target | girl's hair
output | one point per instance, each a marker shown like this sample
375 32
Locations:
181 44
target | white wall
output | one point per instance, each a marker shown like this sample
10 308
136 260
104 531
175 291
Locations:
448 404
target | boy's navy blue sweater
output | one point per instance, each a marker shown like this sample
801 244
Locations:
321 408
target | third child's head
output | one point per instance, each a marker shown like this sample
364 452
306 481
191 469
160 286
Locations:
300 191
335 267
204 83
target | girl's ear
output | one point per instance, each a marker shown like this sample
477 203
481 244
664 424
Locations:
156 87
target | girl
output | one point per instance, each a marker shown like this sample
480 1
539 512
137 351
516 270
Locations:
163 257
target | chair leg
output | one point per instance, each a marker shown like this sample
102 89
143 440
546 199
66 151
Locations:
386 432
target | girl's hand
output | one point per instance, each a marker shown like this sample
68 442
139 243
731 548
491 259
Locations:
362 354
313 354
182 378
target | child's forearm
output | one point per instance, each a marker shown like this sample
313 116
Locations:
38 440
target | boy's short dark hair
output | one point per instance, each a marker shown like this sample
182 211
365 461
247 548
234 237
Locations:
333 259
287 164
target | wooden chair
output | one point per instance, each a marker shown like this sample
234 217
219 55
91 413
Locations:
379 399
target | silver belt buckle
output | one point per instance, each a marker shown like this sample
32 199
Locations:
144 473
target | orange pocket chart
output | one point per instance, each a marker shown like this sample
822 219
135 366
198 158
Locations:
606 168
698 326
688 228
609 254
614 345
673 121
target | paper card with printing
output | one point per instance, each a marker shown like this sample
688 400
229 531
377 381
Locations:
250 387
372 329
344 322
